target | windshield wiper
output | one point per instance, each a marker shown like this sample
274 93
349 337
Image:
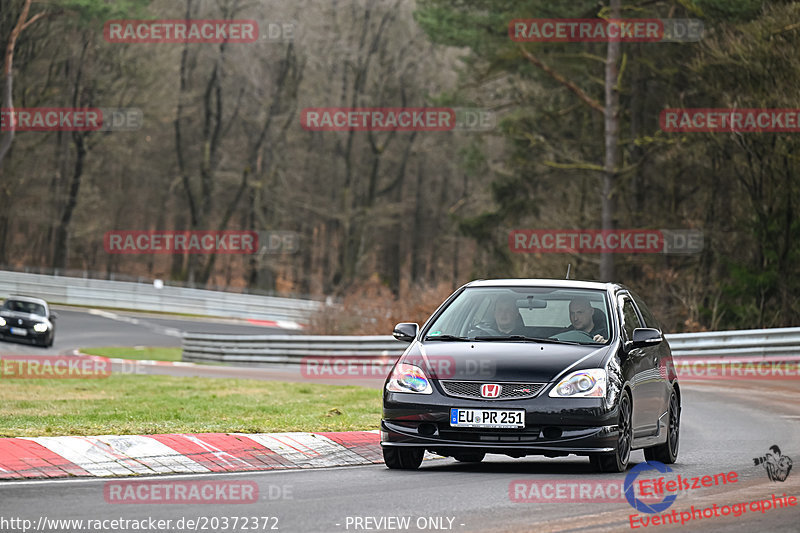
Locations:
522 338
445 338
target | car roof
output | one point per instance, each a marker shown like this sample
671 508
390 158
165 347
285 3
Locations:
27 299
559 283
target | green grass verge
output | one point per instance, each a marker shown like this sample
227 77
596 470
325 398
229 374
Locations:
139 404
143 352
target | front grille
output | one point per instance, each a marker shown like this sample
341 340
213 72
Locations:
19 322
509 391
480 436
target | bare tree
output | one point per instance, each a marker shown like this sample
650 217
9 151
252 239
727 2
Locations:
6 92
611 141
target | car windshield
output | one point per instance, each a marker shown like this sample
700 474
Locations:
543 314
24 307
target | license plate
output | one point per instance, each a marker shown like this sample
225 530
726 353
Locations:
487 418
19 331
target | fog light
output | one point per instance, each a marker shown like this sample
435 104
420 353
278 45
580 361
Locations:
427 429
551 433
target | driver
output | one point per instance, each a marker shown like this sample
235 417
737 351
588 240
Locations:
507 317
581 316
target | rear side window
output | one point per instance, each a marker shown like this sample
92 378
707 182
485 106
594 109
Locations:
649 319
630 320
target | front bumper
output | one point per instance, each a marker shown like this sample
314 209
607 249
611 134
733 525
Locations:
30 336
553 426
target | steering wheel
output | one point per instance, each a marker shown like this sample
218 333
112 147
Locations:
581 331
482 328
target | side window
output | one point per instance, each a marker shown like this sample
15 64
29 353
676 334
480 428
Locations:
649 320
630 320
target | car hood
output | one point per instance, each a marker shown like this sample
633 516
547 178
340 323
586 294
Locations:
524 362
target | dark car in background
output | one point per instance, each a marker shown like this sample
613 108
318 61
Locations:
27 319
533 367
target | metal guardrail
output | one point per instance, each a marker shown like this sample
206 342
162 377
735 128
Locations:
284 349
772 342
288 349
147 297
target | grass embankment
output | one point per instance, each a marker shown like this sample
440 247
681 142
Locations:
138 352
147 404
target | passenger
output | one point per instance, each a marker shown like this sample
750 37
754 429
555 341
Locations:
507 317
582 316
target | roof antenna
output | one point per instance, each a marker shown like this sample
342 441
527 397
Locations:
569 265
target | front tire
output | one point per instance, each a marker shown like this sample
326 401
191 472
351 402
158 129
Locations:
617 461
667 453
400 458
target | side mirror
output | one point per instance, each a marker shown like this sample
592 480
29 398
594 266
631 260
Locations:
53 315
643 337
405 331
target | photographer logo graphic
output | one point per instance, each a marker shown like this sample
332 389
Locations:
777 465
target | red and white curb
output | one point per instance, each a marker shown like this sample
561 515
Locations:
282 324
181 453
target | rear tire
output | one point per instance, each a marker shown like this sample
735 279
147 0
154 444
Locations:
667 453
617 461
476 457
400 458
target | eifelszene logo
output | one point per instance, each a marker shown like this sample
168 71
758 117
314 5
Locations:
637 503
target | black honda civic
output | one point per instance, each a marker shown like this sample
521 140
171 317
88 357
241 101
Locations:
533 367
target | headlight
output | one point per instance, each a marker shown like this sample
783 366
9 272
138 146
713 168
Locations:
2 321
40 327
409 378
581 384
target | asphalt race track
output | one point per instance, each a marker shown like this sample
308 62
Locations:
723 430
86 328
724 426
